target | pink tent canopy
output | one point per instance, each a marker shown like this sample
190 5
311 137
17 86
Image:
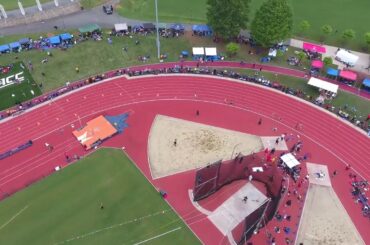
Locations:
317 64
314 48
350 75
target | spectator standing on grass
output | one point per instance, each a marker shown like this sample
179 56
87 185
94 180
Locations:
77 69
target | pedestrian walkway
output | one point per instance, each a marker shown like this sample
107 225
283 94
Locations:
33 14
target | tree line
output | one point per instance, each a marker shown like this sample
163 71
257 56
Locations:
272 23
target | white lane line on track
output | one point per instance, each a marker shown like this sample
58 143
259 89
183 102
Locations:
219 103
14 216
158 236
30 169
69 141
139 219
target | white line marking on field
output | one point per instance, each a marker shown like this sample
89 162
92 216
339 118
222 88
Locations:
12 218
112 226
155 237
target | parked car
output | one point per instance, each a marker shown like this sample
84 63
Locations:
108 9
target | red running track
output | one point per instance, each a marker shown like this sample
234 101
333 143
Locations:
329 140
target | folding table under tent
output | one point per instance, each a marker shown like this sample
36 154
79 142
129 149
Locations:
55 40
202 29
162 26
314 48
317 64
24 41
120 27
331 87
148 26
15 46
346 57
4 48
211 53
332 72
289 160
198 51
348 75
65 36
89 28
177 27
366 83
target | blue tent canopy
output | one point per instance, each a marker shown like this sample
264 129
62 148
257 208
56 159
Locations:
184 53
24 40
4 48
14 45
332 72
201 28
54 40
65 36
366 82
178 27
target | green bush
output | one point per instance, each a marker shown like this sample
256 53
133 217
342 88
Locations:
328 61
232 48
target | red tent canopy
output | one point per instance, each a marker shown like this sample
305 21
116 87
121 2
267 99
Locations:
350 75
314 48
317 64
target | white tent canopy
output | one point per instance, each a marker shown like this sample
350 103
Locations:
211 51
346 57
323 85
198 51
289 160
121 27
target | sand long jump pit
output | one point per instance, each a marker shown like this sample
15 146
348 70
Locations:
324 219
196 145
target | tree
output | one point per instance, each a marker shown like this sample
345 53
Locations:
232 48
348 34
327 29
228 17
301 56
304 26
367 39
328 61
272 23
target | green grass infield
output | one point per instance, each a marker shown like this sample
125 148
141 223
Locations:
65 208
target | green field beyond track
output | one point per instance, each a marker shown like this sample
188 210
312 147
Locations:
340 14
65 208
21 91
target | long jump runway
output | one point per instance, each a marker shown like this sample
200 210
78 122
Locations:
223 103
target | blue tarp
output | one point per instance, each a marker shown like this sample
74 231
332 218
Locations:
366 82
119 122
332 72
54 40
4 48
202 28
24 41
65 36
14 45
177 27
